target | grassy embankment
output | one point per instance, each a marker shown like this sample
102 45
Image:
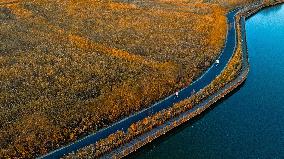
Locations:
72 67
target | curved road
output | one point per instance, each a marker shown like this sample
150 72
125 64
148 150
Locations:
249 124
200 83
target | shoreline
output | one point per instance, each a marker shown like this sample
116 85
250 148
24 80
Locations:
123 125
160 130
114 142
182 118
151 135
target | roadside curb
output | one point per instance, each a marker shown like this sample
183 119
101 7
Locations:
184 117
142 140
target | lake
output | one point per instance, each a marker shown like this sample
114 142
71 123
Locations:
249 123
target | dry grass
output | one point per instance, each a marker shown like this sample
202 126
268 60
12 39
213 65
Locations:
119 138
68 68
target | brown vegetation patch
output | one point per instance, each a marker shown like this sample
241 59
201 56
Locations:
68 68
119 138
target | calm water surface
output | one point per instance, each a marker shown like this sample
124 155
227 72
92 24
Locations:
249 123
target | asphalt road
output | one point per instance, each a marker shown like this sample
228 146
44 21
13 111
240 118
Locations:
184 93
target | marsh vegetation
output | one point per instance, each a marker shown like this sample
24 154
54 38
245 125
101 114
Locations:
68 68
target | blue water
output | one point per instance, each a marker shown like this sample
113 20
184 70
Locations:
250 122
200 83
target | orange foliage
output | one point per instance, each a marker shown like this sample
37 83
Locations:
105 145
77 66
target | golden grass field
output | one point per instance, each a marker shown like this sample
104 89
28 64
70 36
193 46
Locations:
71 67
